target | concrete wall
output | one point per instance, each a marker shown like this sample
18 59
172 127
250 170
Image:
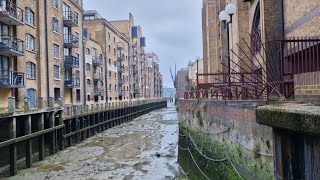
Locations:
232 126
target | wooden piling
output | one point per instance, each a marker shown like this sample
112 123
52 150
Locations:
28 142
41 137
13 147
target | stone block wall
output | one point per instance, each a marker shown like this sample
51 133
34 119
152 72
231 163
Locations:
232 126
307 87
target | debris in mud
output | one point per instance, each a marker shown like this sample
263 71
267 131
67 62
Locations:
158 155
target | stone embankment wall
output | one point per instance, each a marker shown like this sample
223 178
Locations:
225 129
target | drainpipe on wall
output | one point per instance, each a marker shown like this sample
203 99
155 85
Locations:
47 49
84 41
282 19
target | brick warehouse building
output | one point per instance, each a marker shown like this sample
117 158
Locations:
44 56
277 44
261 34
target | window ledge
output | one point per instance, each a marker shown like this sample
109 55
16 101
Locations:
55 8
31 51
30 25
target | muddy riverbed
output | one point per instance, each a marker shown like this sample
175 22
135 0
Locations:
145 148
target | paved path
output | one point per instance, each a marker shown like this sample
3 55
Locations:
145 148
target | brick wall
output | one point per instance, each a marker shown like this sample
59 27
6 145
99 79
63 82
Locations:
233 125
307 87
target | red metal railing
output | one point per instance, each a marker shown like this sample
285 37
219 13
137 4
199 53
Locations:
299 55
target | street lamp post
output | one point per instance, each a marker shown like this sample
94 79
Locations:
226 17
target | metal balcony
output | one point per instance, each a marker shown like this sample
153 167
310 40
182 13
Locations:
11 46
134 63
120 58
122 93
135 72
71 41
72 83
10 13
97 76
70 19
120 69
122 81
136 91
11 79
71 61
97 61
97 92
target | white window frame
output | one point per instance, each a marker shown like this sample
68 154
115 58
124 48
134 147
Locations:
56 2
54 72
30 66
54 51
56 25
30 43
30 16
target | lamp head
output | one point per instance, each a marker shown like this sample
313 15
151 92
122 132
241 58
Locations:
224 17
230 9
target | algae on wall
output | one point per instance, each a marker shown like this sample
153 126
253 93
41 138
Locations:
220 169
249 148
230 160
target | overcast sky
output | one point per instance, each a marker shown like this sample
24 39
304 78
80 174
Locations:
172 27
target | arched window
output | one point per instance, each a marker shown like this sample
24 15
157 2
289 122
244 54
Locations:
109 37
88 82
101 83
256 30
109 47
29 16
31 70
30 42
114 51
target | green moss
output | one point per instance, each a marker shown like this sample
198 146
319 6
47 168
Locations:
199 117
214 170
256 150
50 167
248 166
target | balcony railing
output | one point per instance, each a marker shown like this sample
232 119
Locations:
10 13
97 76
122 93
134 63
136 91
98 92
11 46
70 19
11 79
70 61
120 58
97 61
120 69
122 81
135 72
72 83
71 41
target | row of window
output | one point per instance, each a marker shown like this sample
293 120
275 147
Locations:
89 82
57 94
115 88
